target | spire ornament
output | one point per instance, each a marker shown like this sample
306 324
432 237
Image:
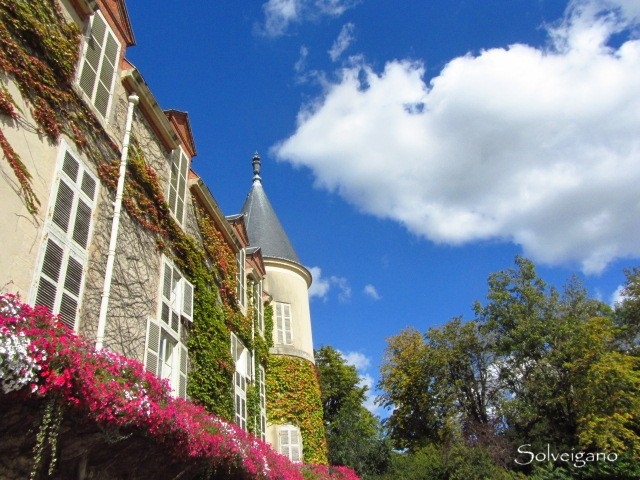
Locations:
256 168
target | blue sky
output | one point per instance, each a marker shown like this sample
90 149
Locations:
412 148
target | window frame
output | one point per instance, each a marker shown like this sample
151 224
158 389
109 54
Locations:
293 437
170 331
98 69
284 332
179 163
68 227
241 277
261 379
242 376
259 306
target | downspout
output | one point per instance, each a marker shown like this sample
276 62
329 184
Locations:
115 225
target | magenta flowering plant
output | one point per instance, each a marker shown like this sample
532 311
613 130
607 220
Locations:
42 357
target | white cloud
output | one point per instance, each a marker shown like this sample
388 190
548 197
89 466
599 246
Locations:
618 296
344 288
535 146
372 291
342 42
281 14
357 359
362 363
301 64
321 286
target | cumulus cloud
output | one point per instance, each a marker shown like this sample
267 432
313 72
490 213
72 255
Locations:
281 14
537 146
372 291
362 363
357 359
342 42
321 286
618 296
344 289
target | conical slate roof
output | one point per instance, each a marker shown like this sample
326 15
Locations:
264 228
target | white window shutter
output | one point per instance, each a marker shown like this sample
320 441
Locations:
290 442
288 331
296 445
187 300
152 348
167 271
60 278
50 275
99 64
178 175
182 381
285 443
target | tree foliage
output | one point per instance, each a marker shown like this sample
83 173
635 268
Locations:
536 366
354 434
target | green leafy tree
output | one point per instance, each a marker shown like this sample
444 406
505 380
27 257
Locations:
354 435
409 388
537 366
627 313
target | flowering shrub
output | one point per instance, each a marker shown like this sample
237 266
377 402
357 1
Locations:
41 357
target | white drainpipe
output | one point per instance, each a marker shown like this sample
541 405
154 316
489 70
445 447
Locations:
115 225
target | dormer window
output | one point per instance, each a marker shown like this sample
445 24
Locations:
99 64
179 165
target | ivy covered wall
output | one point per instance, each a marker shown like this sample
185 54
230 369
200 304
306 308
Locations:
38 56
293 396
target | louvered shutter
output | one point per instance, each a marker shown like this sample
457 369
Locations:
60 279
182 381
50 275
182 185
152 349
290 442
287 327
174 175
296 445
285 444
187 300
99 65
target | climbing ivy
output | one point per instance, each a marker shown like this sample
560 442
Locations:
39 52
293 396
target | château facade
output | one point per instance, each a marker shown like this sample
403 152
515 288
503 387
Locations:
216 305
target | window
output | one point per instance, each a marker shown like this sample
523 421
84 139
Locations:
241 277
259 307
179 164
282 312
241 377
290 442
60 277
99 64
262 422
166 351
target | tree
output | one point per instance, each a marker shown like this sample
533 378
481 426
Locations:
354 435
408 385
627 312
536 366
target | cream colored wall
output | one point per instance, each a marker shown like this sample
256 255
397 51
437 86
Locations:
285 282
21 233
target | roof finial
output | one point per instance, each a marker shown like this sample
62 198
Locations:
256 168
